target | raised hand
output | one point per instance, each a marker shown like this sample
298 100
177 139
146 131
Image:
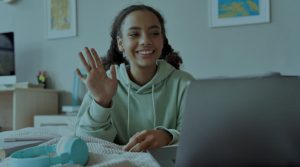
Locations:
99 84
148 139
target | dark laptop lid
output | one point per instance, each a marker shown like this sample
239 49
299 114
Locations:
241 122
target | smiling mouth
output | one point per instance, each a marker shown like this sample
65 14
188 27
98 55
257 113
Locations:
145 52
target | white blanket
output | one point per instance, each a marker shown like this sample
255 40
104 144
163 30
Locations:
101 153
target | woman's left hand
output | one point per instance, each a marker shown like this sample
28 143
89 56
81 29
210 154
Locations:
148 139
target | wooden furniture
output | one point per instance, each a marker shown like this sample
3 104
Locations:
54 120
19 105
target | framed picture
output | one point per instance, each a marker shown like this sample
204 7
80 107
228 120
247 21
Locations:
61 18
238 12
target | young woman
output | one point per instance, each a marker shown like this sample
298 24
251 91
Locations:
139 101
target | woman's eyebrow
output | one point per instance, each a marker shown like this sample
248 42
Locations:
138 28
154 27
134 28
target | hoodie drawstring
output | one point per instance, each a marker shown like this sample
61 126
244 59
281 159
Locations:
128 111
153 105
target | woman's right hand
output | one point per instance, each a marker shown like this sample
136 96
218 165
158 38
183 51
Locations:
99 84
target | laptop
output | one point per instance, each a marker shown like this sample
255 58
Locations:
165 156
241 122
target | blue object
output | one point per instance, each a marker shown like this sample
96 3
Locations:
75 91
78 88
69 149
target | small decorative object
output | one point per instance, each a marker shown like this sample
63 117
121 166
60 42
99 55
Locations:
42 78
238 12
61 18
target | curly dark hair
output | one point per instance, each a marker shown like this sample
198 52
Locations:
114 56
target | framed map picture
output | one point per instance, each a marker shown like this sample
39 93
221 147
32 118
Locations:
61 18
238 12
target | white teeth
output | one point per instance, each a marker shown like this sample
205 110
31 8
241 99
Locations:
146 52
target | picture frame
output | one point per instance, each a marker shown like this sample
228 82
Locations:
61 18
238 12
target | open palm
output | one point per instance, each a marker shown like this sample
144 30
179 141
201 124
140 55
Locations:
102 87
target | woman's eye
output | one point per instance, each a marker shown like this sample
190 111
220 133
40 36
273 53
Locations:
133 34
156 33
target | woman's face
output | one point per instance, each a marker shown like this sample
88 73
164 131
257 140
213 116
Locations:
142 39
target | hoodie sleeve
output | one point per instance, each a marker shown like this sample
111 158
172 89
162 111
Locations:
175 133
95 120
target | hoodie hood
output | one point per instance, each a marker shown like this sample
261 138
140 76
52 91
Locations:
164 70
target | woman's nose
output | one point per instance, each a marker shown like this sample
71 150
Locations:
145 40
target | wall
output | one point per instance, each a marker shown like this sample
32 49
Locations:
207 52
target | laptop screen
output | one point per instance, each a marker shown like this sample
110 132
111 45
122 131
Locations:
238 122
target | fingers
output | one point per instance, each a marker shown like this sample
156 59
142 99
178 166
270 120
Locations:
144 145
132 142
140 142
113 72
85 64
97 59
90 58
93 60
147 139
79 74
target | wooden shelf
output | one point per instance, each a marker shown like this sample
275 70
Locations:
19 105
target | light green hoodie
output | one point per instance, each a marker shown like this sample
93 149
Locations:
157 104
